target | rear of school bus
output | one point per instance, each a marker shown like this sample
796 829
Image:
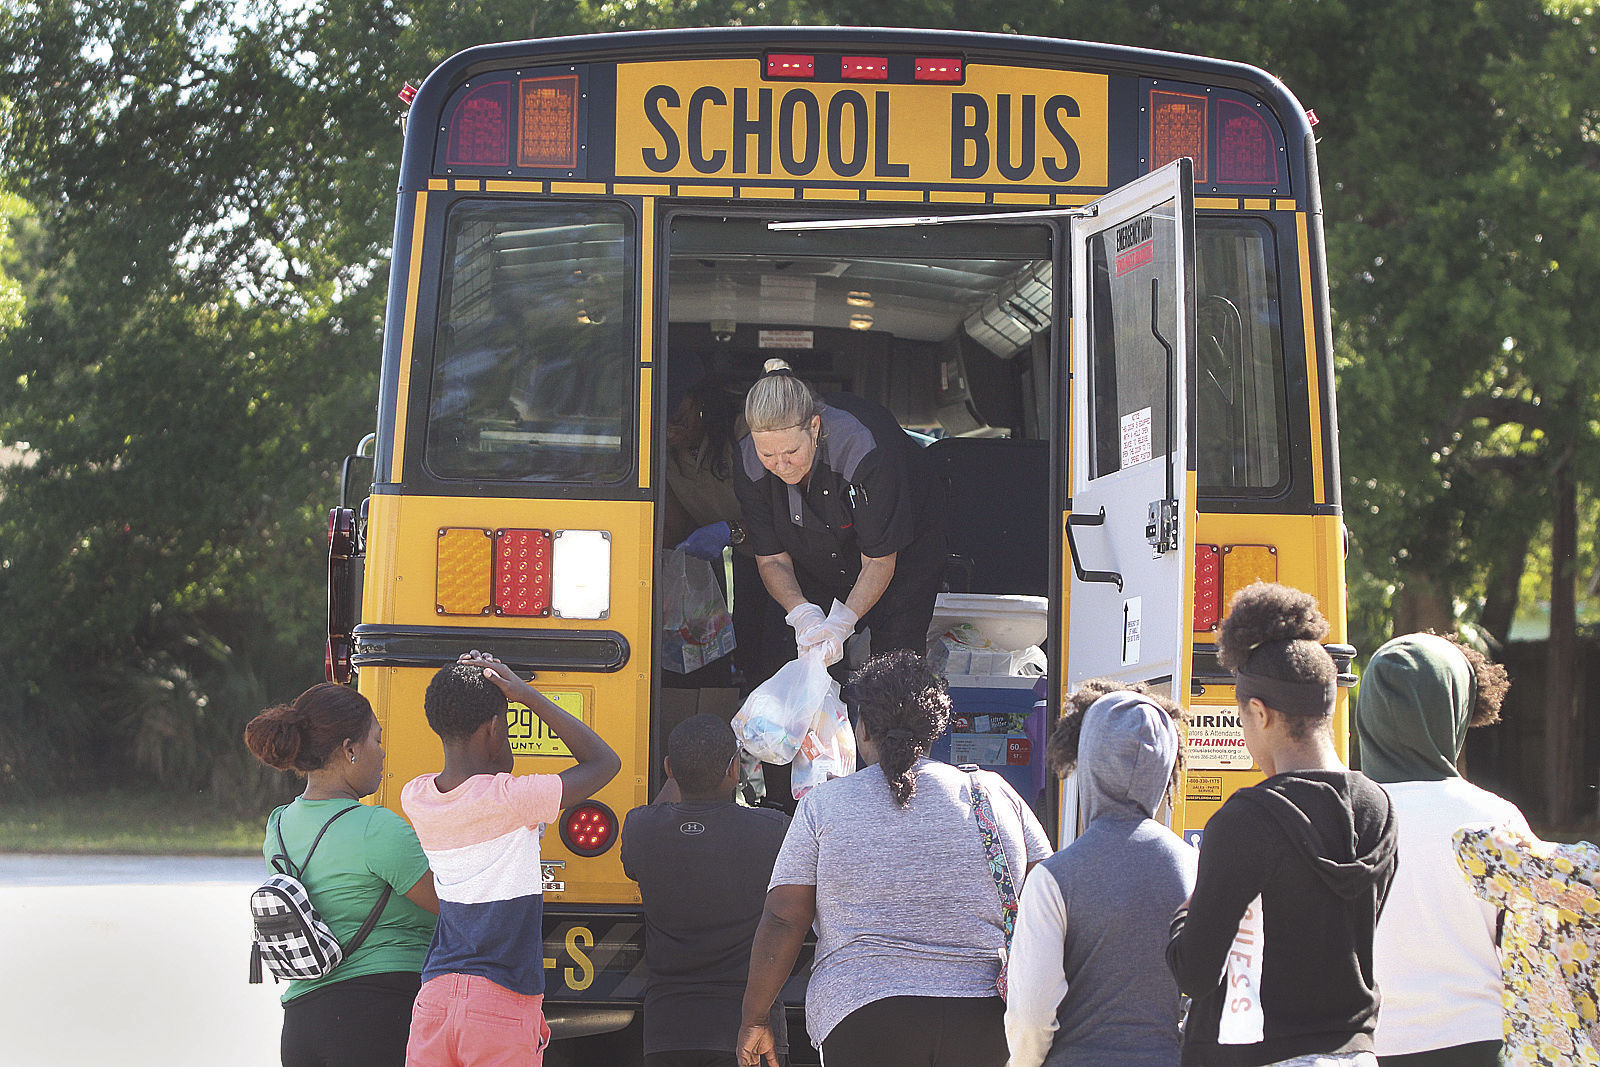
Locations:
580 219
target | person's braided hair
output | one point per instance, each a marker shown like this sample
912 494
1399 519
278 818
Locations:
903 707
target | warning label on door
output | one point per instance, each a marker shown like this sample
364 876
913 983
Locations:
1136 437
1216 741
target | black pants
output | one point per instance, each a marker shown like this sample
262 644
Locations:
920 1032
1477 1054
362 1022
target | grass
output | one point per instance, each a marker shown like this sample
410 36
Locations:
129 823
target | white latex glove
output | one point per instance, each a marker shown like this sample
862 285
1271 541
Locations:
831 634
808 622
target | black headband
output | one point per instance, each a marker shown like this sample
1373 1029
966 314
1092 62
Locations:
1313 699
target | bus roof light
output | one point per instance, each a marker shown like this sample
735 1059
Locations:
791 65
1207 588
864 68
547 125
480 127
1247 152
946 69
1178 129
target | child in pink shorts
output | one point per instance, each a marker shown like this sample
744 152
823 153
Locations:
482 997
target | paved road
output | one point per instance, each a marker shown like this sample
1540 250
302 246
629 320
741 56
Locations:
131 961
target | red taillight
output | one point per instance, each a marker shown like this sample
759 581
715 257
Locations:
480 127
864 68
589 828
341 533
939 70
1247 153
1207 587
522 572
790 65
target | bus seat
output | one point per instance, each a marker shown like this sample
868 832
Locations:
995 496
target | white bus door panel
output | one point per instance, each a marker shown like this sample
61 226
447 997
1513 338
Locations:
1130 478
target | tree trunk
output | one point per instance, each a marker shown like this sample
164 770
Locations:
1561 734
1422 604
1502 589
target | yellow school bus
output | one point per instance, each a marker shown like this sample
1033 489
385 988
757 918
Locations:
1092 277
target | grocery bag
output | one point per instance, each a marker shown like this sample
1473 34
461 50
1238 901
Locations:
796 716
696 628
827 751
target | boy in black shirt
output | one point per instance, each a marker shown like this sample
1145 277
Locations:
702 863
1293 872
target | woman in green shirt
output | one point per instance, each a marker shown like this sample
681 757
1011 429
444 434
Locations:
360 1014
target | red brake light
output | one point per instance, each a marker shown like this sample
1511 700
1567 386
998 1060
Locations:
522 572
789 65
864 68
1207 587
1246 150
480 127
939 70
589 828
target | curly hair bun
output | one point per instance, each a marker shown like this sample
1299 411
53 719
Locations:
1265 612
275 738
775 364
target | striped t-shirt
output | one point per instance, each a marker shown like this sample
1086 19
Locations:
482 841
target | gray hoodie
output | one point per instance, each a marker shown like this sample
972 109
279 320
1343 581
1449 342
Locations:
1119 883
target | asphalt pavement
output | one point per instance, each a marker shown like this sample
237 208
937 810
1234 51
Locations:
131 960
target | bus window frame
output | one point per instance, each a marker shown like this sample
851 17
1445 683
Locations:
417 475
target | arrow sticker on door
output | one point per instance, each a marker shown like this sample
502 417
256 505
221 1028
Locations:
1132 613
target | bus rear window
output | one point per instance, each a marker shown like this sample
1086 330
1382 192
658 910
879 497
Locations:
533 375
1239 374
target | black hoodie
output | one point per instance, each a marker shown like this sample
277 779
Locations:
1275 946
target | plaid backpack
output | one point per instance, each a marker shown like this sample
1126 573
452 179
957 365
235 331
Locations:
288 933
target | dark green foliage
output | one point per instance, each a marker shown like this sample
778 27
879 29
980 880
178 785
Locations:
212 193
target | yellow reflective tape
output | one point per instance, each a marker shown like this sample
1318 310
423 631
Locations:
1308 313
646 378
767 192
408 335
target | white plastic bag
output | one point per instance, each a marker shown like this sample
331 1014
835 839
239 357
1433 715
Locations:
777 715
696 628
827 751
796 716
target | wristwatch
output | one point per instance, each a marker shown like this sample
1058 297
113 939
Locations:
735 533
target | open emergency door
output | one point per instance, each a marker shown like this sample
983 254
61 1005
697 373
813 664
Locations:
1128 522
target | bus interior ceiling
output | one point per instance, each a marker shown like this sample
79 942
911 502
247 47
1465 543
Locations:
955 342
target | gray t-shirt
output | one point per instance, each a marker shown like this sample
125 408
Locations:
906 905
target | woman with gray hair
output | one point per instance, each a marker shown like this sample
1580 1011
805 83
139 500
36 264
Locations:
837 507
